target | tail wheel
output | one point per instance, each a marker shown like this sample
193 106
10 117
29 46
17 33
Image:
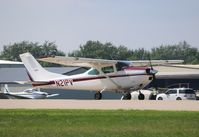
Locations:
98 96
160 98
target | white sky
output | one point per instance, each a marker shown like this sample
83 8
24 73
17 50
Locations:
132 23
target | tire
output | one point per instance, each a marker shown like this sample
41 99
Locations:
160 98
98 96
152 97
141 96
127 96
178 98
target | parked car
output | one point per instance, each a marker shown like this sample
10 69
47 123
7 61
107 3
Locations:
177 94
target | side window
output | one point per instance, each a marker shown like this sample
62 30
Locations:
172 92
182 91
93 72
108 69
187 91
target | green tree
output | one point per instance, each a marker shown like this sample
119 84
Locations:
12 51
96 49
140 54
180 51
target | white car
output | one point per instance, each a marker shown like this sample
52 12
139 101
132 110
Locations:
177 94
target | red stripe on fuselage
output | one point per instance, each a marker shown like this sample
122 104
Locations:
90 78
135 68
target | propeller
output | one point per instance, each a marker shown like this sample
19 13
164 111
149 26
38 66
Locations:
153 72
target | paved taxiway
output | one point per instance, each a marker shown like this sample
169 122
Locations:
99 104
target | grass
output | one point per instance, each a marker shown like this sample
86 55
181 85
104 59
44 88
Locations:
98 123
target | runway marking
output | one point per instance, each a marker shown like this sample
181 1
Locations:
99 104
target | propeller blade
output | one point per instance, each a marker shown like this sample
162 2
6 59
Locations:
150 62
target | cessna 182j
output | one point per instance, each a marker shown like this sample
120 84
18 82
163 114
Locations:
103 75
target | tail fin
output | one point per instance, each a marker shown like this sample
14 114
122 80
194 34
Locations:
35 71
6 90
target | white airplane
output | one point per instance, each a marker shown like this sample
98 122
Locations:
27 94
103 75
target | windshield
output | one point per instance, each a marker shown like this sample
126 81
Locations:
29 90
122 65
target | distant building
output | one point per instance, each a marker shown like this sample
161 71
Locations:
171 75
10 64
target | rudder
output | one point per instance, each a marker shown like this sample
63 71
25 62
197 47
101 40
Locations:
35 71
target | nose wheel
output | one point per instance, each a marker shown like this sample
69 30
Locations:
98 96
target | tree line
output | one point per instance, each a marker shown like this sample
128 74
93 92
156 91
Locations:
96 49
180 51
12 51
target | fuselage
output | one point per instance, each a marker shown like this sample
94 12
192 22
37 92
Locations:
130 78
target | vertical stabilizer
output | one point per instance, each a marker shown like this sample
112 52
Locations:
35 71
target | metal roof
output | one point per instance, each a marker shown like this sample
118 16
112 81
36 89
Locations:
177 71
9 62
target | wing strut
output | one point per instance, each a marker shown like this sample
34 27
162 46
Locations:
103 74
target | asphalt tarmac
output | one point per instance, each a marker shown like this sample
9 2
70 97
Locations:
99 104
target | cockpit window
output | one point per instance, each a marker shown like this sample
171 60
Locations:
108 69
29 90
93 72
121 65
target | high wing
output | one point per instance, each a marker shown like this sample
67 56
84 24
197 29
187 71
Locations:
156 62
81 62
88 62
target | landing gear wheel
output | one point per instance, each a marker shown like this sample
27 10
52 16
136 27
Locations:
141 96
160 98
126 96
98 96
178 98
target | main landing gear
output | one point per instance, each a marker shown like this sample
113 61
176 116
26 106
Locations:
141 96
126 96
98 96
